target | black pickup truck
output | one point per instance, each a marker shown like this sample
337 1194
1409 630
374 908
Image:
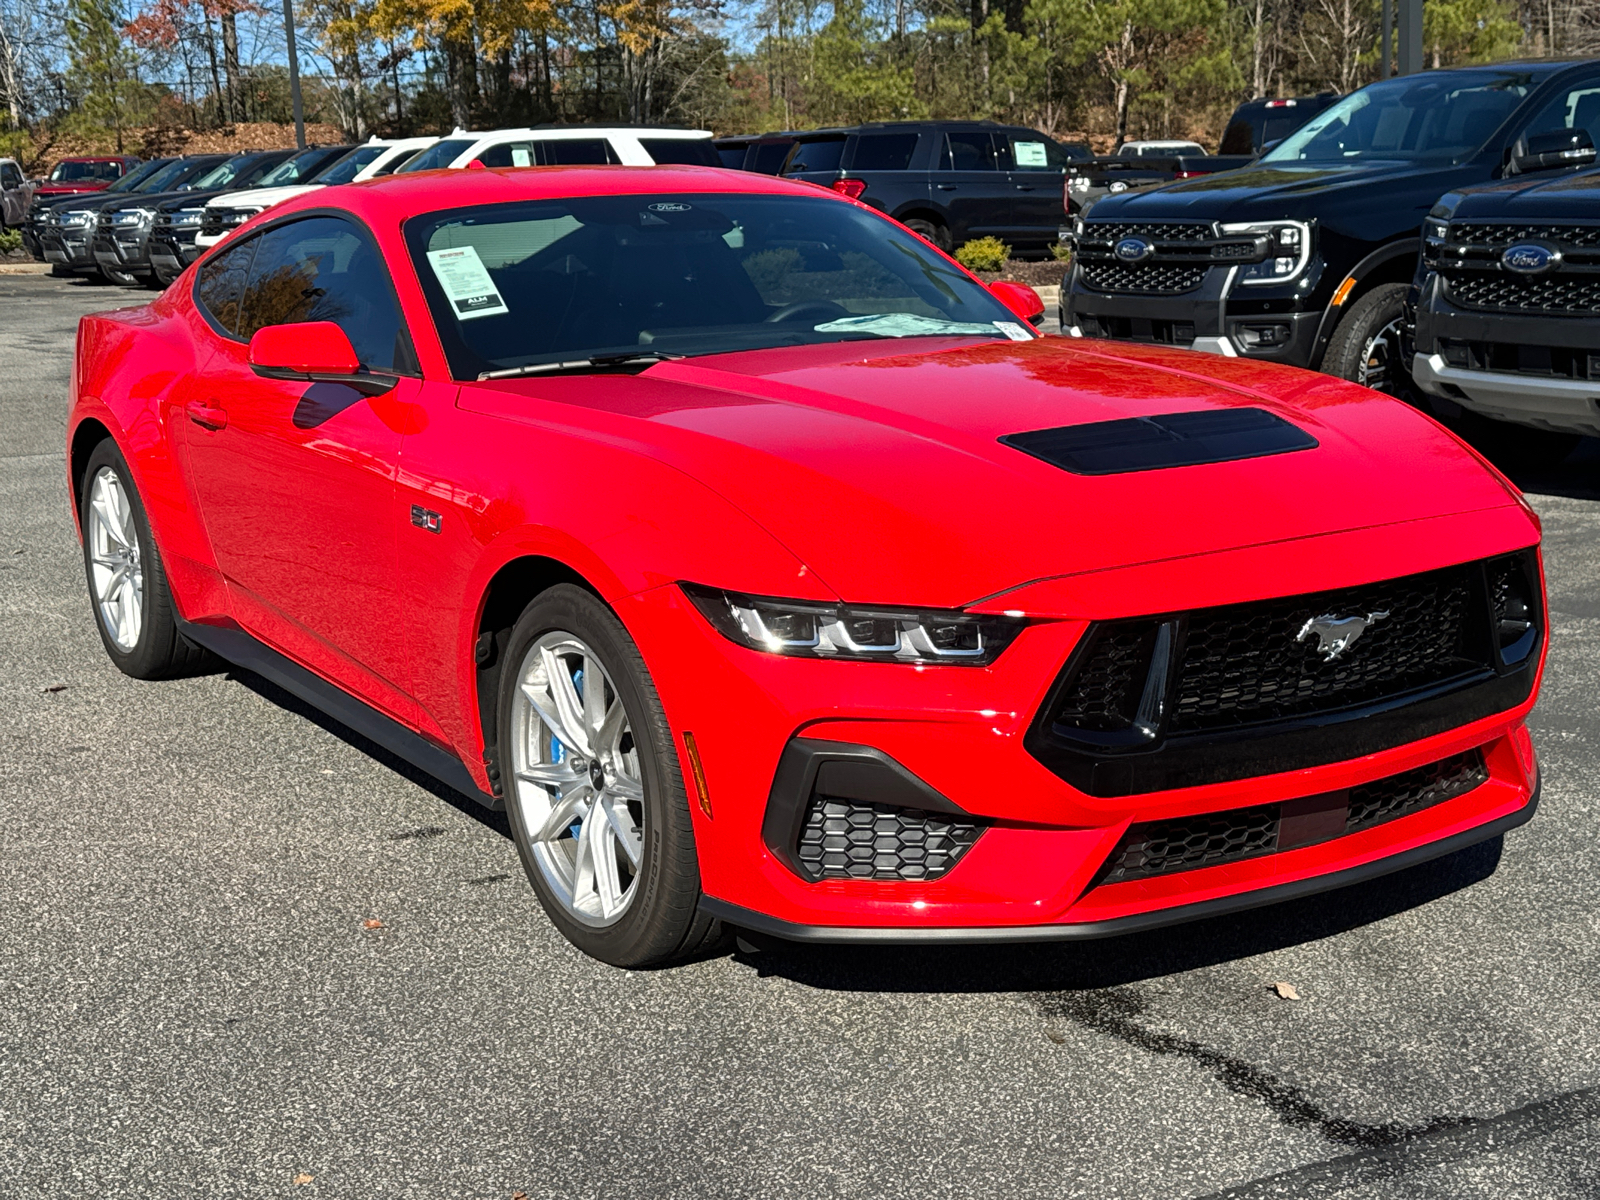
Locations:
1508 303
1306 256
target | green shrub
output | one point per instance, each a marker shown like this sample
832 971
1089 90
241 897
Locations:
10 239
983 254
1060 252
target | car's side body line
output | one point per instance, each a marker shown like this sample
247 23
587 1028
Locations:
242 650
1159 918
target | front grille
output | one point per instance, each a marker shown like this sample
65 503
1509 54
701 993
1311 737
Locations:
1160 231
1111 673
1211 839
1157 278
1501 291
1248 663
850 839
1568 236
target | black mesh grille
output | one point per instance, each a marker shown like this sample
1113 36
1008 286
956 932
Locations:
1210 839
848 839
1248 663
1150 278
1106 690
1503 291
1161 231
1575 236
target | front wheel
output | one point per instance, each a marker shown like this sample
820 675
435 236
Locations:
594 794
931 232
1366 346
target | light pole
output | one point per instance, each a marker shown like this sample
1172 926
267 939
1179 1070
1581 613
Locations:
1410 22
294 76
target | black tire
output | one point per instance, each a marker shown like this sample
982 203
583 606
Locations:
931 232
159 650
121 278
662 923
1366 346
1516 447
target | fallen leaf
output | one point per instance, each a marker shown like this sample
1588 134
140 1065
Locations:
1286 991
56 687
302 1179
519 1196
1056 1036
374 923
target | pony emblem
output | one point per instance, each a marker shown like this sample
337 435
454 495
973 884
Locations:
1335 635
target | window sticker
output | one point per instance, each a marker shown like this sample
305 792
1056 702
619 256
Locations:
520 157
466 283
1029 154
1013 331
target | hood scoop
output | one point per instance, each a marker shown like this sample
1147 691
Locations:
1185 439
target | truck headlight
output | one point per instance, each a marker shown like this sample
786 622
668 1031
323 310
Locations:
187 217
132 218
1288 250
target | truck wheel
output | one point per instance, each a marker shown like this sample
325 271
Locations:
1366 348
931 232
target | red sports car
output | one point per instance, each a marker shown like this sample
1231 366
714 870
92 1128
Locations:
772 571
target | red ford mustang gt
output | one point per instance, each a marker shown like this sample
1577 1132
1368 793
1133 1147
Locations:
770 570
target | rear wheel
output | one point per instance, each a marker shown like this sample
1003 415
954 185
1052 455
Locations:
1366 347
594 794
931 232
133 607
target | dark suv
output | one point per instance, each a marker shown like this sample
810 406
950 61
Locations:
950 181
1306 256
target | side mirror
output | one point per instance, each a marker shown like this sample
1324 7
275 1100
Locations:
1551 150
1019 298
316 352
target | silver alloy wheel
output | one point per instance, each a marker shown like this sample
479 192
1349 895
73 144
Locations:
575 779
114 559
1379 358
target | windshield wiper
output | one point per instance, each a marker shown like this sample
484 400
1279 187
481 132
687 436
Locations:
584 364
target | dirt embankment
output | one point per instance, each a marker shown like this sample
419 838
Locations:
49 149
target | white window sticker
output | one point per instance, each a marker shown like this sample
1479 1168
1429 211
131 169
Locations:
1029 154
1013 331
519 157
466 283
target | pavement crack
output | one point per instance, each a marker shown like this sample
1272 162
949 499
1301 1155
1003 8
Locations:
417 835
1114 1012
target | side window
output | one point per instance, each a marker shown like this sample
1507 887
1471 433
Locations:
1238 138
395 163
1036 154
969 152
821 155
220 284
507 154
1576 108
575 152
884 152
326 269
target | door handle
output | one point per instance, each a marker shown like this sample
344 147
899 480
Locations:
945 187
207 416
1024 187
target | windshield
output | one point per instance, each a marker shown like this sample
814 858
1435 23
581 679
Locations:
289 171
348 167
157 181
221 175
440 154
1445 116
131 181
511 285
85 172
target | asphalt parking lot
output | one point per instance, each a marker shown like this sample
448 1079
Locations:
192 1004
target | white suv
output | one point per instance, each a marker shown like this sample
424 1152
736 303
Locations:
571 145
373 160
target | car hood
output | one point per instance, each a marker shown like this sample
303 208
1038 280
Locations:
261 198
882 468
70 189
1541 197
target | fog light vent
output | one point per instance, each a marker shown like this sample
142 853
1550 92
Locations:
848 839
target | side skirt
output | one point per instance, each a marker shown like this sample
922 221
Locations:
242 650
756 922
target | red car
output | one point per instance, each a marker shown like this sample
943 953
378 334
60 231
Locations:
773 572
91 173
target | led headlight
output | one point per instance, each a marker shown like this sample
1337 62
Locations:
805 629
1288 250
1436 229
132 218
186 217
77 218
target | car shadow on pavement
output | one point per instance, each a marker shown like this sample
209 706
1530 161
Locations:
1577 477
1111 962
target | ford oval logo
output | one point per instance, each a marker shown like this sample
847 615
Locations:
1529 258
1133 249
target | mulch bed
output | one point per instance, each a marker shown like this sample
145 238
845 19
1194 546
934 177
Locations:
1035 274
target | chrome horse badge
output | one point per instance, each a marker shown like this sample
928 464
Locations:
1335 635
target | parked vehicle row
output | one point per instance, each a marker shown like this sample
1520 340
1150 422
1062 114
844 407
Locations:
1308 255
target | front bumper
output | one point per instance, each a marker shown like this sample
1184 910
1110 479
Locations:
67 247
1562 405
1213 318
1035 872
127 252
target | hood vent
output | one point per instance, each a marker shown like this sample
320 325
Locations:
1185 439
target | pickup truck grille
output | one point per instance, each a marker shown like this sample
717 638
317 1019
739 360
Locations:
1168 279
1469 261
1156 231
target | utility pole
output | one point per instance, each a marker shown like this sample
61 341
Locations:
1388 39
294 75
1410 14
